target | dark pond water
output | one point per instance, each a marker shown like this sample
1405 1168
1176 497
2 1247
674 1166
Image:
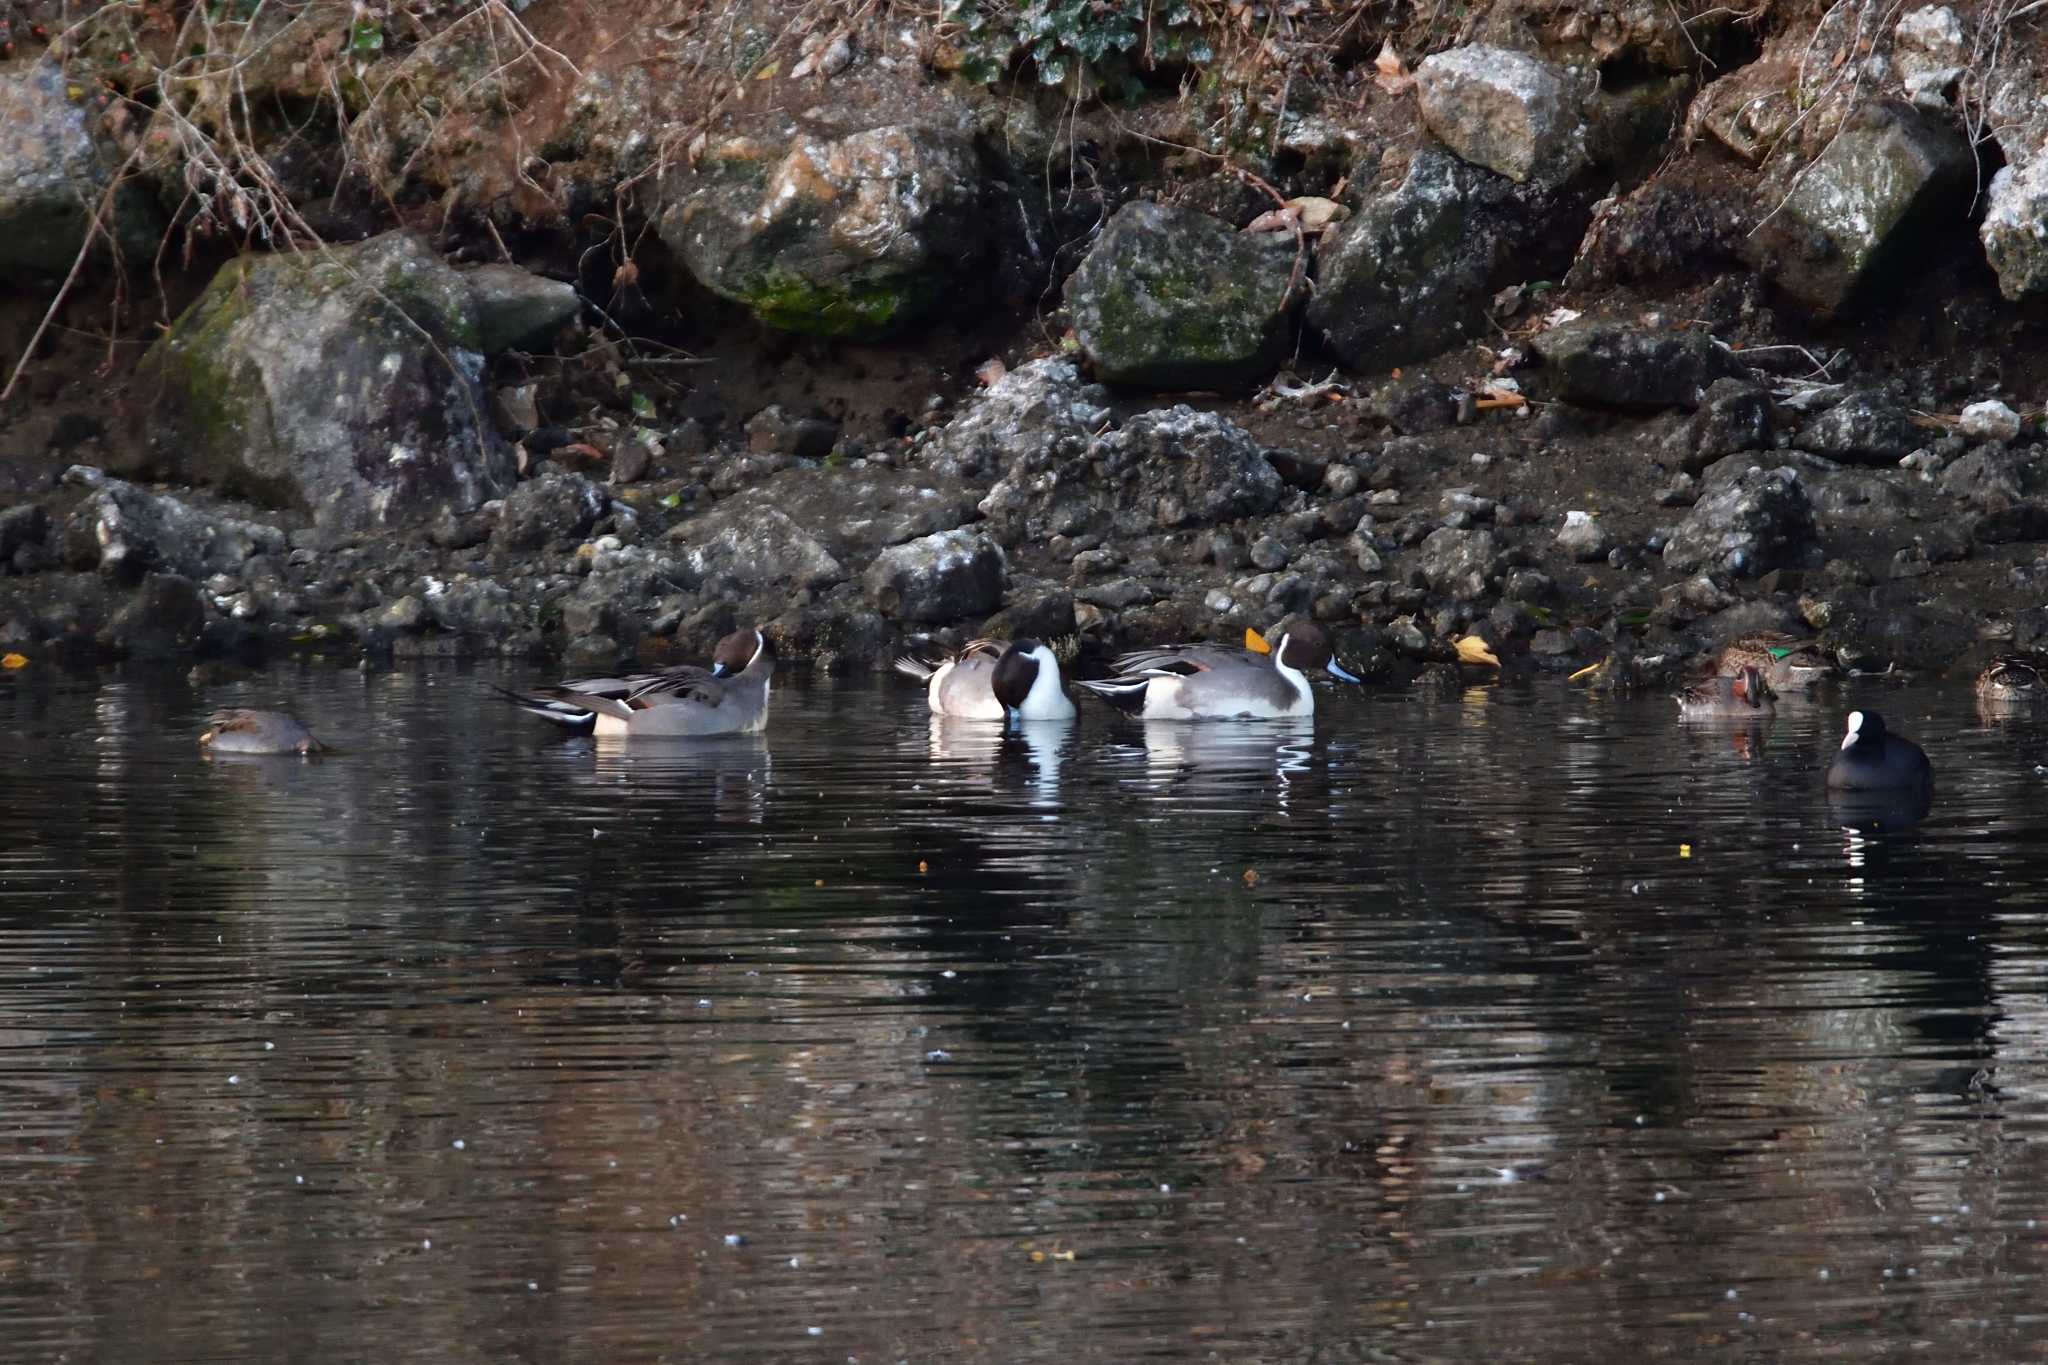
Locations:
1517 1025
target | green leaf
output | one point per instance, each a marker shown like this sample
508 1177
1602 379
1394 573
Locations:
643 406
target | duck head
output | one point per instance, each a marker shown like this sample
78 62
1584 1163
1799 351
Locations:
1749 686
1304 647
1864 728
737 652
1017 671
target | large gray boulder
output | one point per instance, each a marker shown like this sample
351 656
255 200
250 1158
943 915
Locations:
1460 564
1413 272
1041 407
750 549
1611 364
1891 174
2015 227
1174 467
54 176
1863 428
1749 521
1169 298
941 577
136 532
1508 111
829 233
343 384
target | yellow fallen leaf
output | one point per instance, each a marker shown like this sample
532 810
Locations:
14 661
1256 642
1473 649
819 883
1063 1255
1588 671
1251 877
922 867
1685 850
1037 1257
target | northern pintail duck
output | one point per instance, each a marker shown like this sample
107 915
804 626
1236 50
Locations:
1784 660
1218 682
1746 696
2014 678
1873 759
241 731
992 680
729 698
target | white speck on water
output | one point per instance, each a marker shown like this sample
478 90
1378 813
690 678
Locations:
1935 1219
815 1331
1642 1119
1824 1273
796 1263
1658 1197
458 1144
949 974
1731 1296
269 1047
734 1239
234 1080
1165 1188
426 1244
938 1054
1506 1174
704 1004
1887 1272
676 1220
533 1284
298 1180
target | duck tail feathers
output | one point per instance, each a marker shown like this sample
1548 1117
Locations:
1125 694
581 719
910 666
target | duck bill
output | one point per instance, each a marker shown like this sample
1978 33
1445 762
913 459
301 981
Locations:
1339 672
1256 642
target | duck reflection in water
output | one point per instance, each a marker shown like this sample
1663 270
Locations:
1018 755
729 775
1228 763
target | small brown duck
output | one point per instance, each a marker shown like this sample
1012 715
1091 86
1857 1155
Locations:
1784 660
242 731
1745 696
2014 678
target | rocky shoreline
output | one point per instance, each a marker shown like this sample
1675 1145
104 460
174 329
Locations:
1587 426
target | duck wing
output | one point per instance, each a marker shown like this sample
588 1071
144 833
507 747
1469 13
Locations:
1179 660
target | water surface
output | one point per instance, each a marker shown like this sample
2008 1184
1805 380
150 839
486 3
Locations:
1511 1025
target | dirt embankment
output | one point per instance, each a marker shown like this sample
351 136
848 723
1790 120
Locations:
806 240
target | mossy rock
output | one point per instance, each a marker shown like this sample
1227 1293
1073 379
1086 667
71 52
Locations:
343 384
1169 298
856 236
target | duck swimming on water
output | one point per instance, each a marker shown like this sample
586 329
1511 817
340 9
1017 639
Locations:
243 731
1217 682
993 680
729 698
1873 759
